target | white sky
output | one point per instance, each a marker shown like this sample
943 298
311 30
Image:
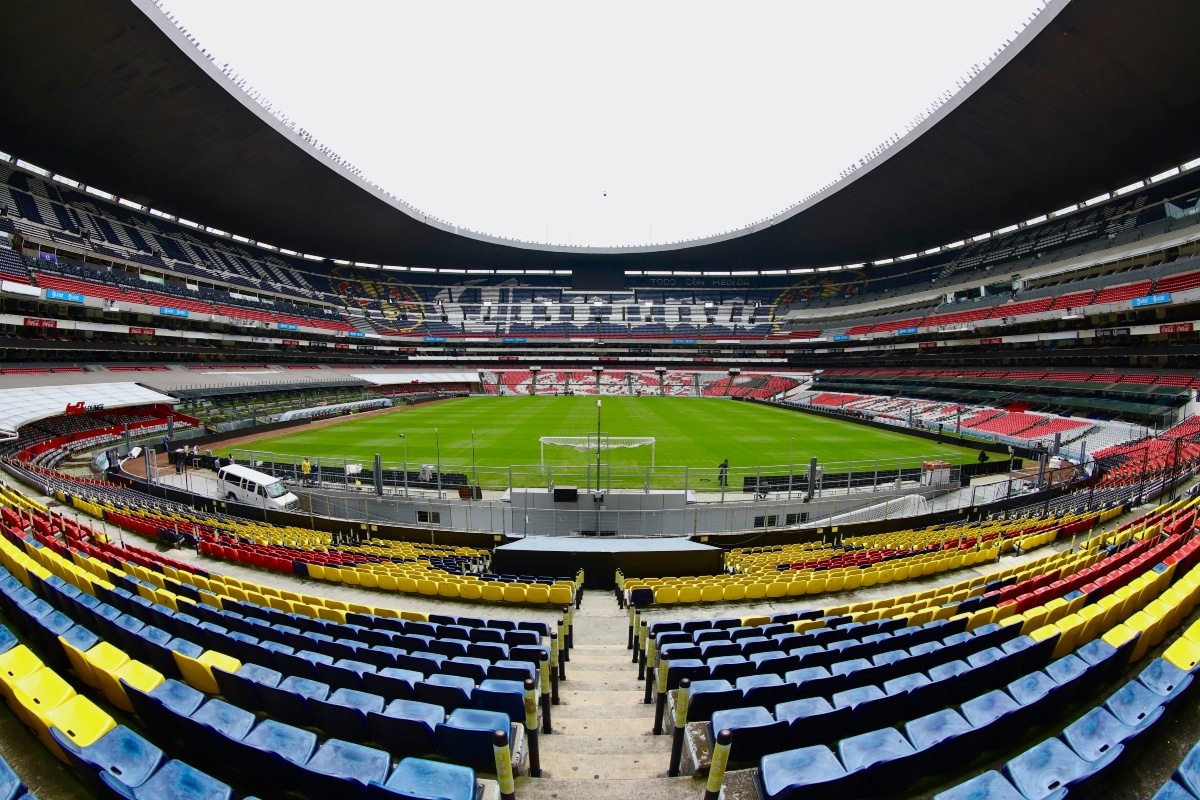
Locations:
516 119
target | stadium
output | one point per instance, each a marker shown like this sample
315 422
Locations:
308 493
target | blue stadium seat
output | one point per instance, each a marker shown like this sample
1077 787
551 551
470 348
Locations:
1135 705
269 742
407 727
420 779
286 702
213 726
767 690
1165 679
813 720
1041 696
811 773
1104 659
466 735
448 691
343 715
392 683
943 736
882 761
755 732
1050 768
1173 791
162 707
1188 773
238 687
507 697
709 696
990 785
775 663
1097 732
121 752
992 714
175 781
341 769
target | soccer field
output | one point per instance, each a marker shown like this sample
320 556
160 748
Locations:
689 432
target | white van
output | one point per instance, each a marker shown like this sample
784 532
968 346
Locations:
254 488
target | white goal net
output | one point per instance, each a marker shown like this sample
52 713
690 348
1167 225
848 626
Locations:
588 444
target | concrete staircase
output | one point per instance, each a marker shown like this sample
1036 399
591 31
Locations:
602 745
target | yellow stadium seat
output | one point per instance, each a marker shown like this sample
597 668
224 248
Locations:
664 595
198 671
1071 626
1046 632
1077 603
331 614
816 584
563 596
428 587
1056 609
368 579
537 593
921 617
103 656
390 613
712 593
165 598
734 591
279 604
333 574
835 583
1032 619
493 592
1119 635
350 576
471 591
756 591
1183 653
359 608
135 673
42 691
514 592
388 582
409 585
15 665
81 720
777 589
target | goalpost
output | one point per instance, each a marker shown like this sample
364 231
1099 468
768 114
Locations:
587 444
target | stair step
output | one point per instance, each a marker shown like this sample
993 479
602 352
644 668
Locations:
586 787
602 711
570 727
606 764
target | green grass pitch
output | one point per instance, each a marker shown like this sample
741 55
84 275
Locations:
689 432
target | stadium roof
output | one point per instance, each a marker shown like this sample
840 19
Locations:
1093 95
24 405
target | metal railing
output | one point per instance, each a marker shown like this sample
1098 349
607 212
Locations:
704 484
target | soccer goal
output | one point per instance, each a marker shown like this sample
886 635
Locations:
587 444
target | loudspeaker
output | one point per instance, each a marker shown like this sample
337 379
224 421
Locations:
566 494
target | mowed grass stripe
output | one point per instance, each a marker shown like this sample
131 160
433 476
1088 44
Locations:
692 432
